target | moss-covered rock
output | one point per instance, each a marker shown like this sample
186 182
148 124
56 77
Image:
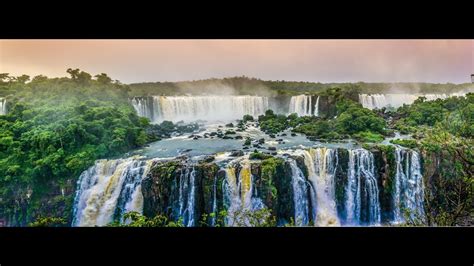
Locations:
341 181
211 185
159 189
272 178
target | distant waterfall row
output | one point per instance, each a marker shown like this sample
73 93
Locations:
3 106
303 106
210 108
378 101
321 187
216 108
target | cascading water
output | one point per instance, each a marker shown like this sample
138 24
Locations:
409 189
316 107
321 164
107 189
214 201
190 108
111 188
362 188
146 107
302 105
187 195
300 194
378 101
239 194
3 106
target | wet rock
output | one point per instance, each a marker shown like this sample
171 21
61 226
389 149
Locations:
238 137
237 153
283 135
272 148
227 137
229 125
272 136
293 134
261 141
208 159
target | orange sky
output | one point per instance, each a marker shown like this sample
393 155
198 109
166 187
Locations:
307 60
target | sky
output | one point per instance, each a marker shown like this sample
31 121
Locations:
131 61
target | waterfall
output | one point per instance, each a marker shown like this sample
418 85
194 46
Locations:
301 105
239 195
316 107
107 189
408 185
214 201
111 188
191 108
300 194
321 164
378 101
362 193
3 106
187 195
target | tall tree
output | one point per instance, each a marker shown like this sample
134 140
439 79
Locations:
102 78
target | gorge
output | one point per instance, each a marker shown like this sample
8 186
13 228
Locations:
302 184
313 186
92 154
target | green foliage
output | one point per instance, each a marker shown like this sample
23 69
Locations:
247 118
165 129
454 114
56 128
219 219
248 141
352 121
271 123
322 129
253 218
409 143
450 195
367 136
49 222
247 86
269 171
259 156
135 219
356 119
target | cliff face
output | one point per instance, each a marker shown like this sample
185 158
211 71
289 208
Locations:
27 206
370 193
341 181
385 168
163 190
